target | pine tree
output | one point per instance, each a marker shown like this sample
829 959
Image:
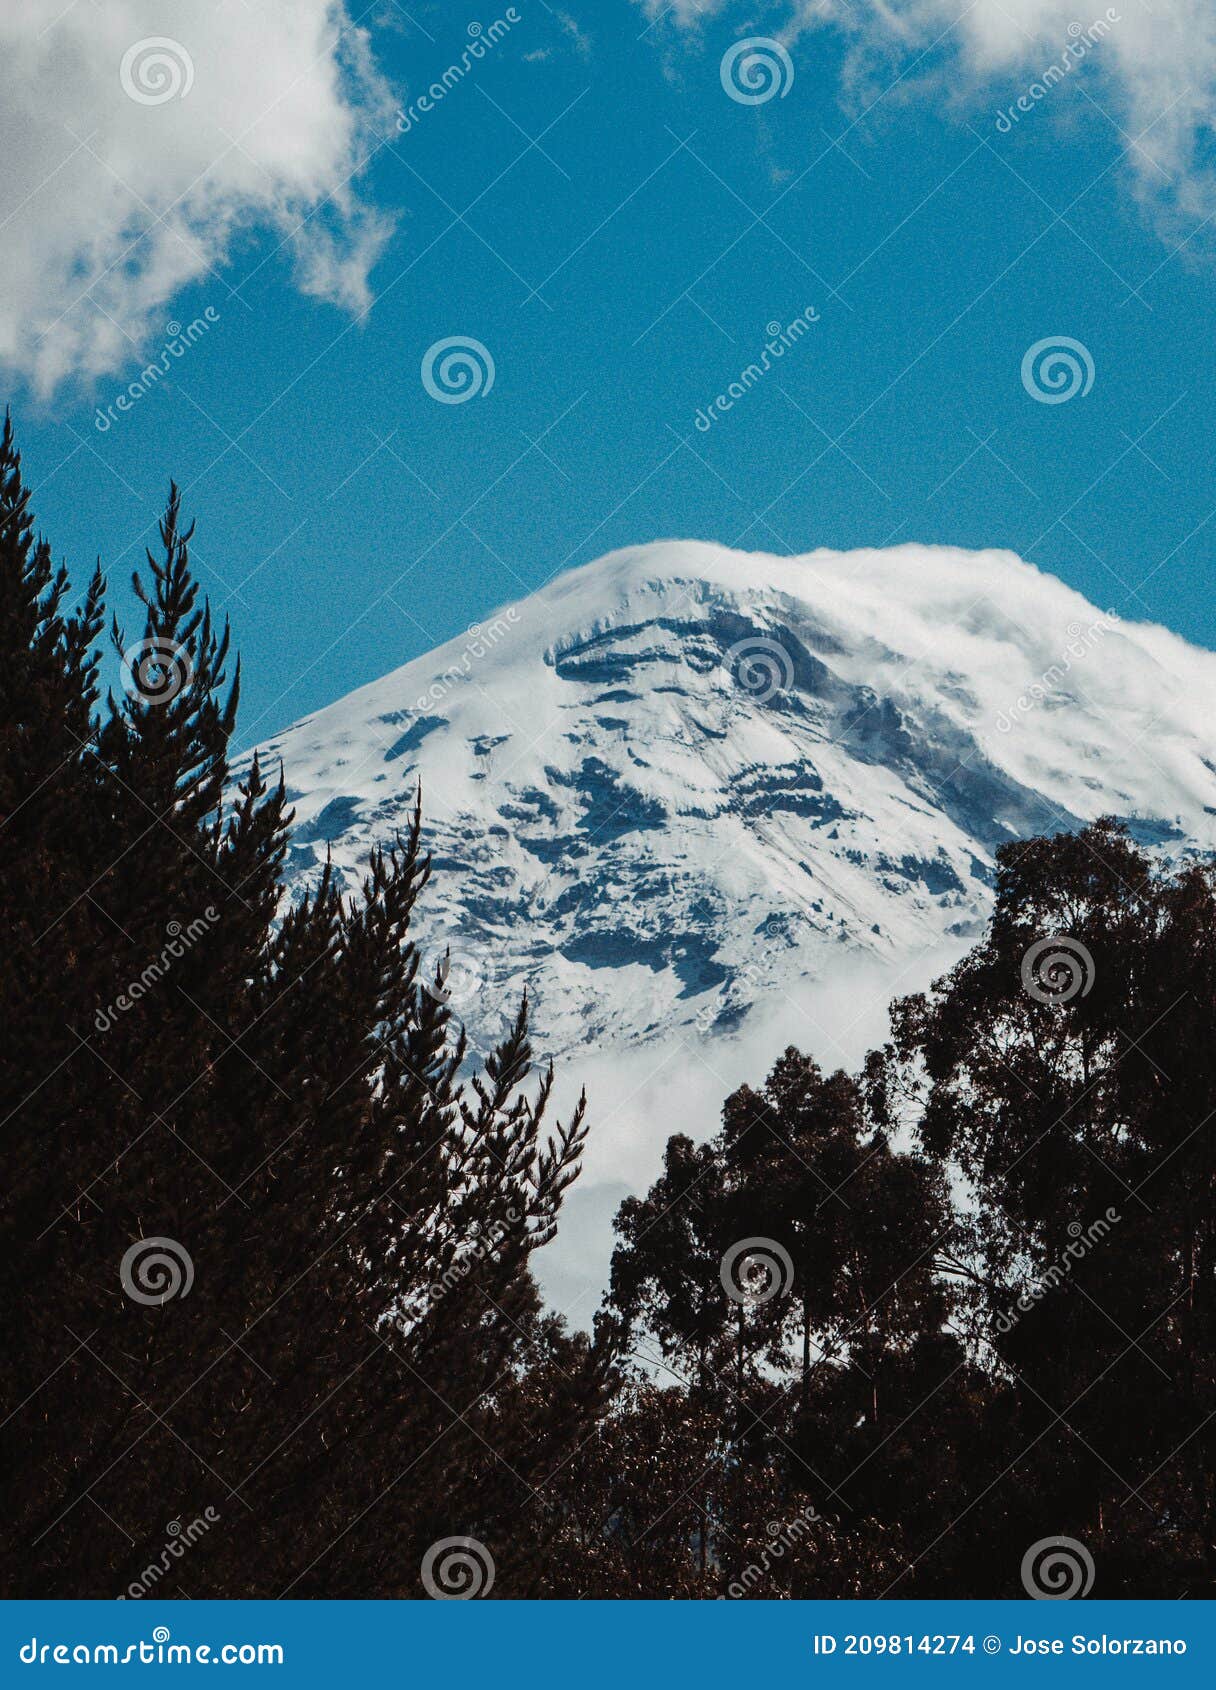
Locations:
263 1111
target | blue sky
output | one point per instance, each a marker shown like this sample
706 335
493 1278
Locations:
590 205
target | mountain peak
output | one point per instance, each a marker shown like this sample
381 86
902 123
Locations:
703 803
848 735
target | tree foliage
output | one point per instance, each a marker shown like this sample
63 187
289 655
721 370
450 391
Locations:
269 1231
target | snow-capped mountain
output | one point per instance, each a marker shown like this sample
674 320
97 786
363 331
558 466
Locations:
677 780
705 803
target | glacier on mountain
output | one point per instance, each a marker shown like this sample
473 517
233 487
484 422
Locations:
704 803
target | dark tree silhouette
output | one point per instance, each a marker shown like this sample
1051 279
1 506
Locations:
266 1244
268 1233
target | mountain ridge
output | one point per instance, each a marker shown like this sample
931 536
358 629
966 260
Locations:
703 803
680 688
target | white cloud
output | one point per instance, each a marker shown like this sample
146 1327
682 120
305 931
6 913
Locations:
578 38
131 172
638 1097
1158 67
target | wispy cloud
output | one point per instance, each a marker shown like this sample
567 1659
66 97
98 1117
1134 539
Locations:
1158 68
135 160
575 34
